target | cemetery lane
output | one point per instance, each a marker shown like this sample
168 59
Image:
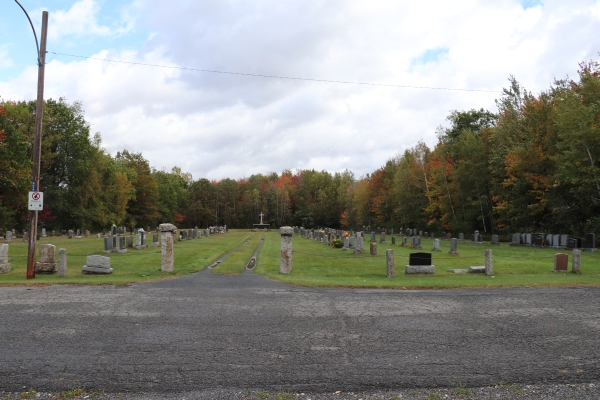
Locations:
210 331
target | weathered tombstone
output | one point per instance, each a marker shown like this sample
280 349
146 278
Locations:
453 247
167 233
87 233
382 237
326 240
516 239
43 232
418 243
97 265
129 242
346 243
47 261
4 265
9 236
141 239
419 263
561 262
389 262
155 239
122 244
556 241
351 242
448 236
372 236
53 233
489 267
62 262
413 241
436 245
70 234
373 248
403 240
495 239
393 240
576 266
108 247
285 259
25 236
477 269
78 236
590 242
360 245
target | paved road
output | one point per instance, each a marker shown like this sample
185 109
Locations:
211 331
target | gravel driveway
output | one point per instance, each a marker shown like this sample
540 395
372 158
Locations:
236 336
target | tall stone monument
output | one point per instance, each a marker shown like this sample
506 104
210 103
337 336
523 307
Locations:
285 260
167 233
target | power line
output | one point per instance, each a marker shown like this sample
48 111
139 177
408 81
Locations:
277 76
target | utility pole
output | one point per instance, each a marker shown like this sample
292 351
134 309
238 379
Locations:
37 146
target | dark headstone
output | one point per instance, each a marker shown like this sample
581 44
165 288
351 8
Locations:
419 259
538 239
590 241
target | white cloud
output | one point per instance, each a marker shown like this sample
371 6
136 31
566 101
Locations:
218 125
81 20
5 61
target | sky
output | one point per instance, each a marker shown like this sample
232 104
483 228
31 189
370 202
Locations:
220 125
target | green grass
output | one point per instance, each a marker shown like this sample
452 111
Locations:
134 266
236 262
314 264
317 265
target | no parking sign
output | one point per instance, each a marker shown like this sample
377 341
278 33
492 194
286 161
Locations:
36 201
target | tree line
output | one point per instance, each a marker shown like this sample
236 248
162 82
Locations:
531 166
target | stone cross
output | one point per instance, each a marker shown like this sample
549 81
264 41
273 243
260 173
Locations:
261 217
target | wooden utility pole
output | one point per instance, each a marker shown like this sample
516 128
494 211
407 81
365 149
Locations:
37 147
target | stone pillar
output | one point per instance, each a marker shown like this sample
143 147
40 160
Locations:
373 248
389 261
576 266
62 262
167 236
489 267
4 265
285 259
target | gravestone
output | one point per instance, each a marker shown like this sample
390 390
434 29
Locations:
25 236
326 240
108 247
576 266
97 265
389 262
360 245
516 239
346 243
122 244
373 248
574 243
62 262
43 232
393 240
590 242
448 235
9 236
113 230
436 245
453 247
154 239
4 265
461 236
167 233
129 242
538 239
53 233
351 242
285 259
563 241
141 239
382 237
489 268
548 240
418 243
70 234
419 263
561 262
556 241
495 239
372 236
478 269
403 240
47 261
528 241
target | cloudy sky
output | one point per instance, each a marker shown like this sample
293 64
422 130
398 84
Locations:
218 125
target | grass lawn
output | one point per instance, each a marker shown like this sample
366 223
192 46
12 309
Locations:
317 265
314 264
133 266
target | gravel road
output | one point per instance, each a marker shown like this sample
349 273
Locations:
215 336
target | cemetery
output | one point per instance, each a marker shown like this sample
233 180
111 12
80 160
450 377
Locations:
392 261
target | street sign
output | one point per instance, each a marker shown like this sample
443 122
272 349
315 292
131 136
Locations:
36 201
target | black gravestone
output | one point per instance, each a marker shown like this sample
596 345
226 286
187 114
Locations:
574 243
590 241
419 259
538 239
